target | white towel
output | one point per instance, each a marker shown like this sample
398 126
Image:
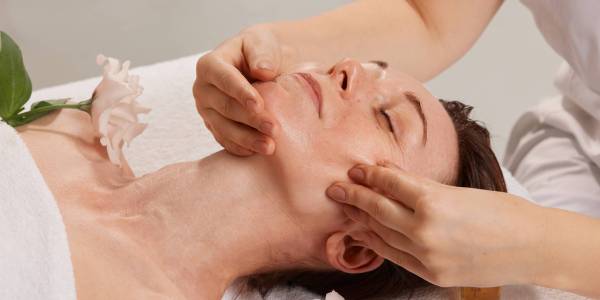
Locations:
35 262
176 133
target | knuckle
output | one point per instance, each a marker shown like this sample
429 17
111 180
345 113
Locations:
248 139
203 65
204 113
254 119
225 107
441 271
196 89
199 107
352 195
422 236
426 257
222 142
233 147
378 207
202 109
199 91
220 139
371 223
209 126
241 150
389 182
441 277
398 257
224 79
428 205
435 278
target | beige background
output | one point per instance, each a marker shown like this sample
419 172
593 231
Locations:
510 68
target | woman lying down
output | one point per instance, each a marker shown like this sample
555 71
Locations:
189 230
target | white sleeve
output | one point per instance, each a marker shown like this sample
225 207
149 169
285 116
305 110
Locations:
550 164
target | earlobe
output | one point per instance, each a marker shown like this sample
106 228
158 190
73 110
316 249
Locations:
350 256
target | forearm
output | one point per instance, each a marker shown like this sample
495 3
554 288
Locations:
571 258
421 38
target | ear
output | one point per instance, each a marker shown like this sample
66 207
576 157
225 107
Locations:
350 256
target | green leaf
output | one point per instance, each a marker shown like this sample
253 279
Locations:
15 85
30 116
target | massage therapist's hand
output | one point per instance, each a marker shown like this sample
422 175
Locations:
231 108
447 235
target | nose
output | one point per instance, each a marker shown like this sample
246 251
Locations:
348 75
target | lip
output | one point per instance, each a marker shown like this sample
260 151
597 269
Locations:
314 89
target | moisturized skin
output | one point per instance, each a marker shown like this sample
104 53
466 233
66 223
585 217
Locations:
189 230
352 126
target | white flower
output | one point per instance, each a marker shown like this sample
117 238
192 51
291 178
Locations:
115 109
333 295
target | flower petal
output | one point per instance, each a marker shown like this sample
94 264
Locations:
115 109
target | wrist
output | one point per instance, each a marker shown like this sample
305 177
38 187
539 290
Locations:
542 247
552 264
528 239
523 265
568 252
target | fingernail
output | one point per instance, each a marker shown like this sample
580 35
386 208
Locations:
356 174
261 146
266 127
252 105
265 65
336 193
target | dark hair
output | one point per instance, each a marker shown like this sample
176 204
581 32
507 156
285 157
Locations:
477 168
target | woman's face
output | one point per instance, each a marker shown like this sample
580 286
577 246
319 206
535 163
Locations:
332 119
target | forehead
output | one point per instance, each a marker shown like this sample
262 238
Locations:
438 158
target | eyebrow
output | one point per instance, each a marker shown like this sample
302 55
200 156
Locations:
412 98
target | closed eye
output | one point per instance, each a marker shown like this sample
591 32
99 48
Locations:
387 119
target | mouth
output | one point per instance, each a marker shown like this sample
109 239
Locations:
313 88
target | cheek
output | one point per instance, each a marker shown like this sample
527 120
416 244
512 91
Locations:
296 116
354 139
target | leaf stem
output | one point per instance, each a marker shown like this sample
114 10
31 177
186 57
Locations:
43 108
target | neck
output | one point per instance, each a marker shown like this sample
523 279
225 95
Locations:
210 222
189 229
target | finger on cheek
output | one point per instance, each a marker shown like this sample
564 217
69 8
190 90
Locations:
336 192
265 123
353 213
357 173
